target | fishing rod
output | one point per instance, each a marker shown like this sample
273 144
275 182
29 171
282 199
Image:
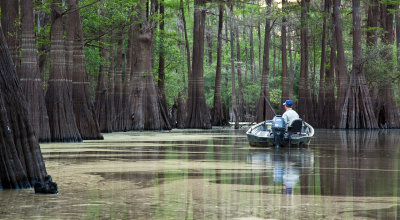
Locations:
273 111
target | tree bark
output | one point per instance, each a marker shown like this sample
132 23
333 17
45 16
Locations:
342 76
240 108
161 61
388 116
102 104
83 106
329 107
118 124
320 117
305 105
111 81
233 80
264 110
218 118
397 19
291 68
372 22
30 78
357 111
198 115
58 97
252 63
189 68
285 78
145 105
9 21
127 120
21 161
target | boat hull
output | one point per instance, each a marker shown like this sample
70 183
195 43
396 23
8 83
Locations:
260 135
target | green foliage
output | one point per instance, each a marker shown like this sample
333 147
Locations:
103 22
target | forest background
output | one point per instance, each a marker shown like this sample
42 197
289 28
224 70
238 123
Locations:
94 66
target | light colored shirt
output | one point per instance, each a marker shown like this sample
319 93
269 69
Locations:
290 115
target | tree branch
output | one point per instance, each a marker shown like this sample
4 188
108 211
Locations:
75 9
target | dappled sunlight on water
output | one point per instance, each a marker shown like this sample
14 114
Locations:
215 174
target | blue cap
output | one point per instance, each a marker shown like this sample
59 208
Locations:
288 103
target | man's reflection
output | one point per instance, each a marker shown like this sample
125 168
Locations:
285 164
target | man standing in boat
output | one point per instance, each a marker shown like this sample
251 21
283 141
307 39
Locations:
289 114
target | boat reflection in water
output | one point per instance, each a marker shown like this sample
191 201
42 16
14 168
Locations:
286 165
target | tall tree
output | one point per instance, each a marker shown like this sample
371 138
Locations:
341 76
285 78
198 115
82 104
58 97
161 60
110 82
397 20
21 161
321 95
233 80
264 109
145 104
252 63
305 105
218 118
387 115
189 68
127 120
372 22
102 105
240 108
329 102
31 80
118 123
357 111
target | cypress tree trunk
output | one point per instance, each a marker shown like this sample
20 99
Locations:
291 68
372 22
342 76
388 115
232 42
111 82
240 108
397 19
357 111
252 63
145 104
264 111
30 78
58 97
21 161
161 63
198 115
9 21
285 79
127 120
305 105
189 68
320 117
102 104
83 106
218 118
180 119
329 107
118 123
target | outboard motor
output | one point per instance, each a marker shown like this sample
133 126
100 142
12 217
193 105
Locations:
278 129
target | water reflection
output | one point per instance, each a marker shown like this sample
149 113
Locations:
286 164
215 174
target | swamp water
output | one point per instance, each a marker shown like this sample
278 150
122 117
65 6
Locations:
215 174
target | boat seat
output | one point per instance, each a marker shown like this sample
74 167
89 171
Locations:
295 126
